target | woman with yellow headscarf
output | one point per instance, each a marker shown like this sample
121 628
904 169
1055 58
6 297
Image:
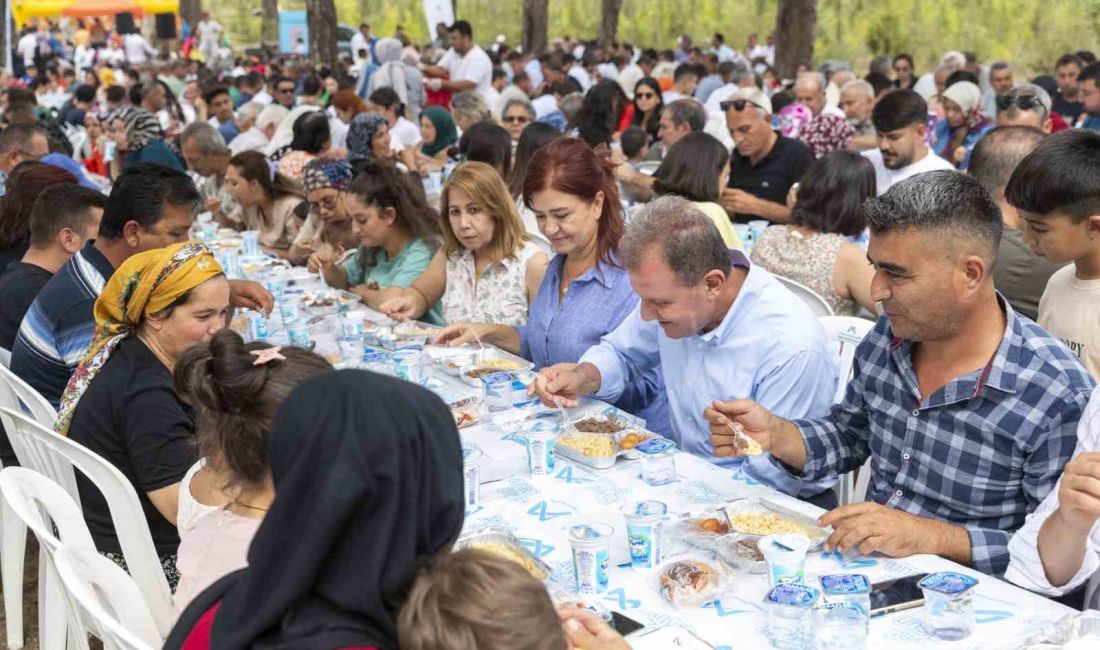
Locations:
120 402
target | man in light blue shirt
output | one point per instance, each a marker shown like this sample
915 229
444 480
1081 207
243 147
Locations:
716 326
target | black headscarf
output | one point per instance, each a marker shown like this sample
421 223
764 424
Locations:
368 480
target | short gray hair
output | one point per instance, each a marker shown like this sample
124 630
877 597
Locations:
816 77
688 240
1042 107
944 201
272 114
687 111
471 104
527 106
205 137
743 74
865 89
248 112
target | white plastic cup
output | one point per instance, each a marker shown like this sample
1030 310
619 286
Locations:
298 333
407 365
250 242
643 532
471 476
540 451
757 227
784 565
591 556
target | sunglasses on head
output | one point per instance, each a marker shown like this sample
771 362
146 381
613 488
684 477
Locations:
518 119
1024 102
738 105
645 95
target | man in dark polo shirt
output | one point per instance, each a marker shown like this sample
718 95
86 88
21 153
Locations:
764 164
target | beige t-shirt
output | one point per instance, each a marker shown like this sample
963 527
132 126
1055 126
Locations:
1070 310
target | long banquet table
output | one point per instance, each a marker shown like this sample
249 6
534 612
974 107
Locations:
538 510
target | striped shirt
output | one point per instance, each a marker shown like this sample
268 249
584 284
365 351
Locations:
58 328
981 452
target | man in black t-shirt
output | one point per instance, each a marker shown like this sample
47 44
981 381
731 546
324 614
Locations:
1067 102
63 218
764 164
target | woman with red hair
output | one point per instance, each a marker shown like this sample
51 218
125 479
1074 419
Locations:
586 292
25 183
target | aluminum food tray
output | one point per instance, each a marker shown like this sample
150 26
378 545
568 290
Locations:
750 505
595 462
504 538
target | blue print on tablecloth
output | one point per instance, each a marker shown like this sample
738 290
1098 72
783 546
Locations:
495 521
564 575
607 492
516 438
907 628
619 596
569 474
849 562
716 605
899 568
518 490
699 492
991 615
741 476
660 620
537 547
547 510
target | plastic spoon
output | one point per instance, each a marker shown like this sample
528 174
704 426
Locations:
750 447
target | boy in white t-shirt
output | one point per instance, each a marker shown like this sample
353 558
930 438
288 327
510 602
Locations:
1056 190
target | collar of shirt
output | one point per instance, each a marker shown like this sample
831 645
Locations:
742 304
597 273
999 373
777 148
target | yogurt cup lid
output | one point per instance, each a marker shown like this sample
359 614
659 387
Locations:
845 583
641 509
654 446
770 544
948 583
793 594
497 378
405 353
375 357
590 532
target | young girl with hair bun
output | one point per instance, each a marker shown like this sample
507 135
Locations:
234 388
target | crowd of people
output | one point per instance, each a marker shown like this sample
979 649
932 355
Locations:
587 208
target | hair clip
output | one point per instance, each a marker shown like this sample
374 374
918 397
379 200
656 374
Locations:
267 355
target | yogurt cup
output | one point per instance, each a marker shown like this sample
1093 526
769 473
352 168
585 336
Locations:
298 333
257 326
407 365
542 438
948 605
643 532
471 476
785 565
591 556
277 287
250 242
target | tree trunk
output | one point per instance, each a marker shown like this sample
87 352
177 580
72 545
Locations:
795 24
321 19
535 19
609 21
269 24
191 11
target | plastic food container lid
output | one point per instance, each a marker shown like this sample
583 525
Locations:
948 583
497 378
644 510
590 533
793 594
842 584
654 446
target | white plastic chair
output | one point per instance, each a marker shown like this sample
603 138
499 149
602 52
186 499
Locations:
812 299
42 505
102 593
16 395
62 455
14 390
845 334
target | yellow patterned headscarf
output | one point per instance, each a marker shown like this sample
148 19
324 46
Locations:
144 284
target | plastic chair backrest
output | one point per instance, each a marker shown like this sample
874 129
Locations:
5 357
812 299
845 333
126 513
29 438
14 391
105 594
40 502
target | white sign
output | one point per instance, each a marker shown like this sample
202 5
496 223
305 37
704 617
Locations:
438 11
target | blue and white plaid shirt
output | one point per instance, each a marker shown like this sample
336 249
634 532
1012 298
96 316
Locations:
980 452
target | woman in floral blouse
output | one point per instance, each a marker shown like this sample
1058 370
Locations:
488 270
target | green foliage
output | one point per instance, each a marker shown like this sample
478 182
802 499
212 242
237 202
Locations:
1028 32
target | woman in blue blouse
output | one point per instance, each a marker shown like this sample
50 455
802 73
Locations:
962 125
585 293
138 138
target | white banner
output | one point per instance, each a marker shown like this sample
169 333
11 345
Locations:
437 11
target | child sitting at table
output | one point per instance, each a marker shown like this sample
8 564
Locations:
473 599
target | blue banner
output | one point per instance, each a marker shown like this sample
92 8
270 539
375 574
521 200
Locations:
292 26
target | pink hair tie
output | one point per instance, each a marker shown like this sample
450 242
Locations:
267 355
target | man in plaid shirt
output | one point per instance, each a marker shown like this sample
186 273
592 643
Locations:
967 410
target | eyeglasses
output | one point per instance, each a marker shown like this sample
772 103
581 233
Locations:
645 95
328 203
739 105
1024 102
517 119
285 90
